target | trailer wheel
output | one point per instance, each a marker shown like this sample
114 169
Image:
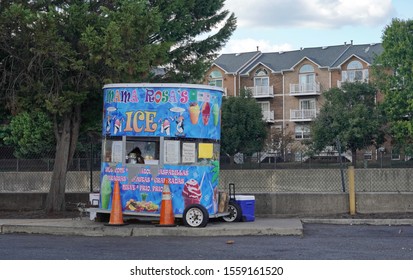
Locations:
195 215
235 212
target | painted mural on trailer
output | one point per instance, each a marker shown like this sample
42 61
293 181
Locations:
143 193
162 111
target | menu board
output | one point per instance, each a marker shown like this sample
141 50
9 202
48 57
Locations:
171 151
188 153
117 151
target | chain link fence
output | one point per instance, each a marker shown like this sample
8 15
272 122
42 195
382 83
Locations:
85 160
33 174
317 180
301 161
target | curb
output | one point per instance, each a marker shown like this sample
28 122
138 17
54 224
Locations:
59 230
281 227
376 222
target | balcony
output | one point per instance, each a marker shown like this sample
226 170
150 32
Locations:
354 76
303 115
261 91
268 116
305 89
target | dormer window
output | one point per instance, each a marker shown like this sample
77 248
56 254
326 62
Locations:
215 79
355 64
307 68
261 72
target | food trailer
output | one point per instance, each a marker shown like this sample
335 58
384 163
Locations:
153 132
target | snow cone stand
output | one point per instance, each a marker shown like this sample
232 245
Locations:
157 133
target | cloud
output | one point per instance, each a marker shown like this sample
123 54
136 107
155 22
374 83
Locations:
310 13
250 45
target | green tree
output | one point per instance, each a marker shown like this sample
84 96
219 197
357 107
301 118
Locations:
394 70
243 130
186 24
350 115
30 135
55 55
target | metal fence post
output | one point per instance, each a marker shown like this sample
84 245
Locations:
351 190
91 166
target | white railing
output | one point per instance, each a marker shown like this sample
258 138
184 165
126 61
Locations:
346 154
303 114
305 88
352 76
268 116
262 91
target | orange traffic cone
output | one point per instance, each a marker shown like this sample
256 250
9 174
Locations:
116 215
167 215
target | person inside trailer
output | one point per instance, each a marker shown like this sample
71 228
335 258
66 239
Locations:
135 156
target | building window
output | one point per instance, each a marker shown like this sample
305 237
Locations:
215 79
302 132
261 78
261 72
307 68
395 154
307 78
307 104
355 64
307 109
355 72
265 110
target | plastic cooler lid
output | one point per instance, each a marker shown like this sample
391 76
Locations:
244 197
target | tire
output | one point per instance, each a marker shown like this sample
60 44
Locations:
195 215
235 212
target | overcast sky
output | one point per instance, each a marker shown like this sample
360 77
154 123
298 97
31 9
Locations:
275 25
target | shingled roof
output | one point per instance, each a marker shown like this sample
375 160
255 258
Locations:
367 52
324 57
233 63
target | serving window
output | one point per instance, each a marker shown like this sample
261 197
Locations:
124 149
147 147
159 151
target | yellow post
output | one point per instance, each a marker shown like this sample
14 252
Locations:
351 190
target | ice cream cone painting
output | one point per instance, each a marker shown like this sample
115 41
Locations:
194 112
215 113
206 111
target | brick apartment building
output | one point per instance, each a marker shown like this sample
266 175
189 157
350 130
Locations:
289 85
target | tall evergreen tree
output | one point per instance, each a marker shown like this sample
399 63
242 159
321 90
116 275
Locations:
55 55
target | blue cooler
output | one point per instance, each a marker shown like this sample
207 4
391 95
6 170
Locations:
247 204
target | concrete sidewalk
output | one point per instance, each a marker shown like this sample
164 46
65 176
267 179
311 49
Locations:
261 226
86 227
